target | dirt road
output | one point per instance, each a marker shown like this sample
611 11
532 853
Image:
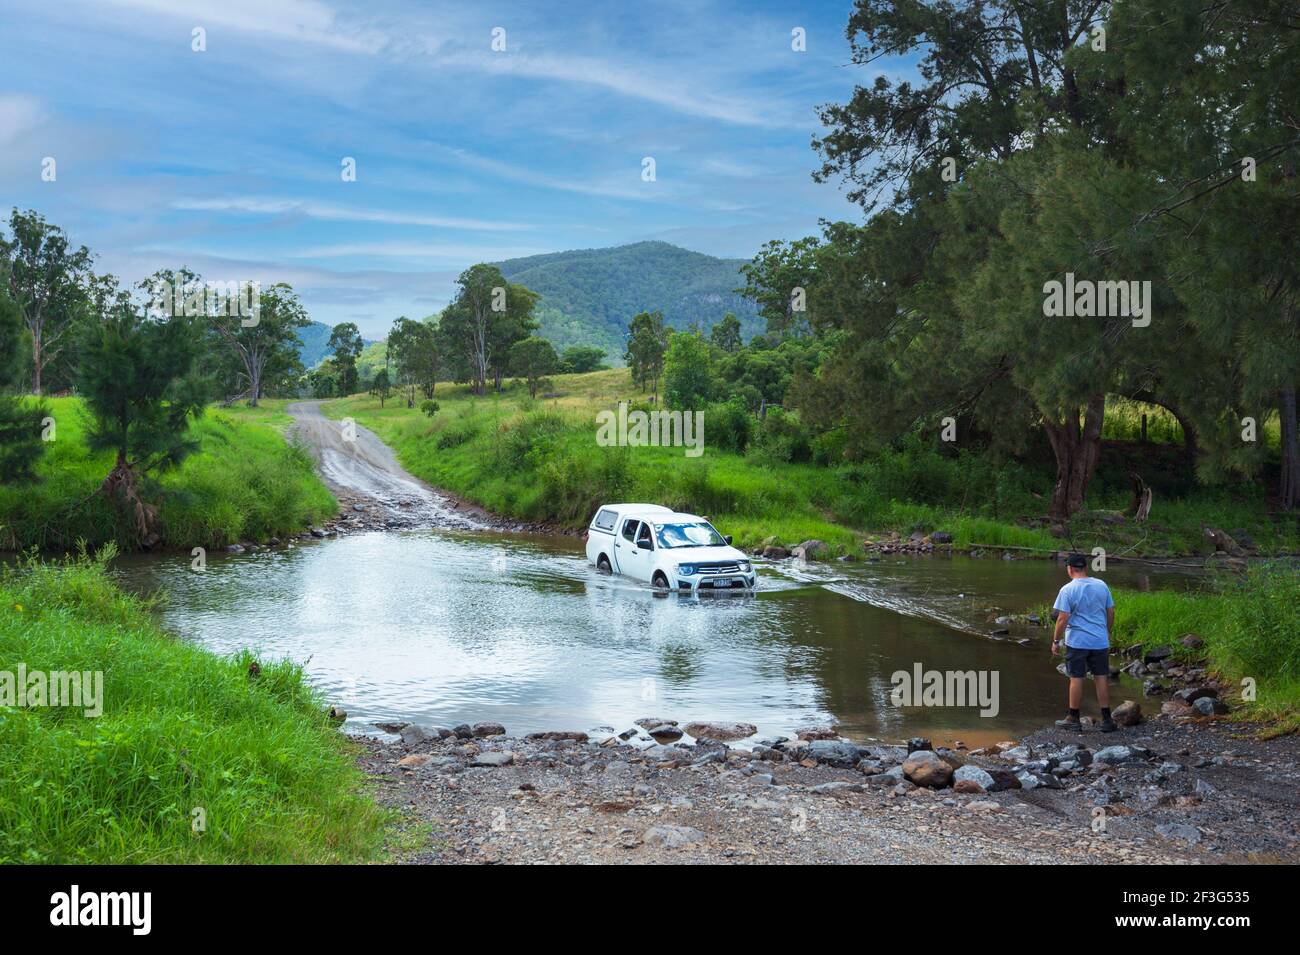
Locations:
364 475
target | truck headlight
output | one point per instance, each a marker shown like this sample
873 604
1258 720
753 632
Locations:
745 566
686 570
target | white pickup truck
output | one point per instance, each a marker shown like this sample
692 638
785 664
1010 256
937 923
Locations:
665 549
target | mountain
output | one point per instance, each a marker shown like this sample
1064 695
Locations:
590 295
315 340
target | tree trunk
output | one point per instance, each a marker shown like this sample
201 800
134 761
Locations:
1289 492
1076 449
36 364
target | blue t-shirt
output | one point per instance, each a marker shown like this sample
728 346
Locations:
1086 600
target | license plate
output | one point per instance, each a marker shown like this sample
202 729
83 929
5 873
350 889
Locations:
726 582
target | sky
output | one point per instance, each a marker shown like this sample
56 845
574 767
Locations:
230 160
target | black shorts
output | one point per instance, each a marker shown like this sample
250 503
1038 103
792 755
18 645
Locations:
1079 661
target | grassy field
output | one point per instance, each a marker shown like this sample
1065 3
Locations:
181 730
538 460
244 483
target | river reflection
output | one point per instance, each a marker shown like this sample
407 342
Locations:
438 629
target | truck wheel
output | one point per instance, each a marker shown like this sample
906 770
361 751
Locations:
660 581
602 564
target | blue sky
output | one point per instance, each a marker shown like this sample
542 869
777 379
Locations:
229 160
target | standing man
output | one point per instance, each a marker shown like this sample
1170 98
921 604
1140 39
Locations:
1086 618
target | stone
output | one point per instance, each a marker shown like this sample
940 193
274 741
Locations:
811 550
983 805
1030 780
722 731
775 552
646 722
1179 831
1114 755
968 787
918 743
575 736
672 837
1191 641
833 752
1176 708
494 758
941 537
971 773
925 768
463 731
482 730
664 733
1210 706
414 760
411 735
1003 779
337 713
1128 713
1190 695
1157 655
815 732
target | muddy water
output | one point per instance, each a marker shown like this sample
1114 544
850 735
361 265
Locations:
440 628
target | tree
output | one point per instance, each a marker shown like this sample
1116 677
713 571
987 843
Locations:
778 279
20 423
726 334
136 379
578 359
487 316
413 347
688 371
47 282
533 358
646 342
382 387
270 341
346 344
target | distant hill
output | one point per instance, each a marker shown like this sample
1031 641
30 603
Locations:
589 295
315 344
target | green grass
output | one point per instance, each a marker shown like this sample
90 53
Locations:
539 461
181 729
246 482
1251 628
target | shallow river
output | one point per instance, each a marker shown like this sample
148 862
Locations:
440 628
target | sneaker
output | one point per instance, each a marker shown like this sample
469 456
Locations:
1070 723
1108 726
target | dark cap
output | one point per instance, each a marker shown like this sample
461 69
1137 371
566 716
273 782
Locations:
1077 561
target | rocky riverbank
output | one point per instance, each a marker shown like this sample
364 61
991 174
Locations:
1164 790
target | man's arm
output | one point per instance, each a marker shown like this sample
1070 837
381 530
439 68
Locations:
1061 621
1110 623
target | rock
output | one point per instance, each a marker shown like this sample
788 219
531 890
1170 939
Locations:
775 552
1191 641
1003 779
1176 708
1153 688
1175 831
815 732
646 722
560 735
411 735
925 768
494 758
318 533
664 733
1030 780
482 730
833 752
394 728
722 731
1157 655
414 760
1114 755
968 787
672 837
462 731
971 773
918 743
941 537
825 789
811 550
1191 694
983 805
235 549
337 713
1209 706
1127 713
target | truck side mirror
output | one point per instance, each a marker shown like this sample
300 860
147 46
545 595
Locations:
645 545
727 538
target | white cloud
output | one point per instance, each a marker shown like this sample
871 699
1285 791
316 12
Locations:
254 205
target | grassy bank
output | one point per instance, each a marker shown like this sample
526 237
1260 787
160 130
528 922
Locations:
181 729
538 460
1250 625
246 482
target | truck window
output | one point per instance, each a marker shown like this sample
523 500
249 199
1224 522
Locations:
629 528
605 519
644 535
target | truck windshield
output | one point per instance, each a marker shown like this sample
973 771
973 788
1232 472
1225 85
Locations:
689 535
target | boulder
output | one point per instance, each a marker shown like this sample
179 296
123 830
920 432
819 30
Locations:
971 773
494 758
1128 713
1030 780
1176 708
1209 706
1191 694
925 768
833 752
918 743
776 552
482 730
414 760
1157 655
672 837
968 787
1179 831
722 731
811 550
816 732
941 537
1191 641
665 732
576 736
646 722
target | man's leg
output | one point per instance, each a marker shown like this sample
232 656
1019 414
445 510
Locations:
1102 680
1076 693
1103 691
